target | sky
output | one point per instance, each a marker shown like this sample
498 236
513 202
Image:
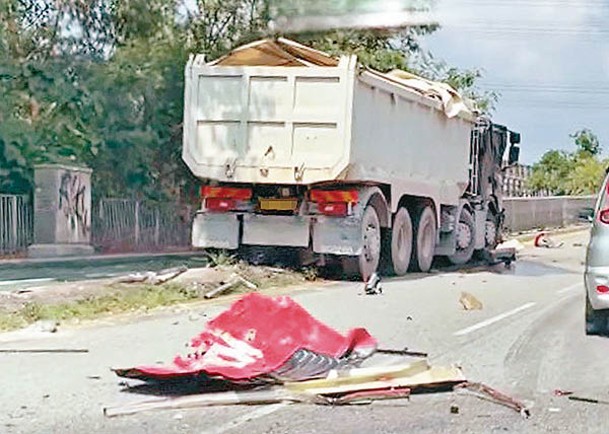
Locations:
548 59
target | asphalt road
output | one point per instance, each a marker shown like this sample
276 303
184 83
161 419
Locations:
527 341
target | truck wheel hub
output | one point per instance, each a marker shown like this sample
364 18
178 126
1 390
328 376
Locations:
490 232
464 236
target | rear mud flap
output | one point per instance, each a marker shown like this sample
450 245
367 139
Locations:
337 236
215 231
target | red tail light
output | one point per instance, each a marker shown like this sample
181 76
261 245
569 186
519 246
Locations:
334 209
602 289
219 204
603 216
334 196
226 193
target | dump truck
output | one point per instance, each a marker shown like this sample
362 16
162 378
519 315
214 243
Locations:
297 149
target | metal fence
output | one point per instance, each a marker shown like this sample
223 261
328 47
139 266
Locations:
120 225
16 224
123 225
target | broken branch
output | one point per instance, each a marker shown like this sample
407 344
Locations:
482 390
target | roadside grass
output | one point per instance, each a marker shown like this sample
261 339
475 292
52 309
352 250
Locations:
135 297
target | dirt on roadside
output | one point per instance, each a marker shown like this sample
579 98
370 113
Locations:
85 299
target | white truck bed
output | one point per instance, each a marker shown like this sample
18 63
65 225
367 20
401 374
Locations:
310 124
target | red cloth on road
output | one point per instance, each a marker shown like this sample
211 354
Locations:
256 336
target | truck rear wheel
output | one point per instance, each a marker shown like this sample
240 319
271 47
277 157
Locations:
424 244
401 242
466 239
367 262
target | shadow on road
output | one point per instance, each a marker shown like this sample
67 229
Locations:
184 386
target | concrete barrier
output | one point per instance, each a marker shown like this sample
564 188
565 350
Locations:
526 213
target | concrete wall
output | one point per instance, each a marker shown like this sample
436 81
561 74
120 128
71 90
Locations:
62 205
525 213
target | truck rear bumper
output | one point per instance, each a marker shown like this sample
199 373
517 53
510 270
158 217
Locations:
334 236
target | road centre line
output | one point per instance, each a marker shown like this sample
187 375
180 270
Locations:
570 288
252 415
494 319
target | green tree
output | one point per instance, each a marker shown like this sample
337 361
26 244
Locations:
586 142
586 175
551 172
575 173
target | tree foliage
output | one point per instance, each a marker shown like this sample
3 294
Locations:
576 173
586 142
100 82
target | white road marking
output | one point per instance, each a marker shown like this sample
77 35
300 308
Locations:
494 319
97 275
252 415
570 288
16 282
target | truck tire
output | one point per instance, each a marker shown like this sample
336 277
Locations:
367 262
401 242
424 244
465 239
596 320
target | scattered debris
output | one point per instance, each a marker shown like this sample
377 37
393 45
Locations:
501 255
368 396
588 400
486 392
543 240
262 350
44 326
194 316
338 388
233 281
44 350
373 285
404 352
511 244
152 277
454 409
469 302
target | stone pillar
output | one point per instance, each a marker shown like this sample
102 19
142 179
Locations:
62 211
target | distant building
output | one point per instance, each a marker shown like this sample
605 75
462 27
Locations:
514 180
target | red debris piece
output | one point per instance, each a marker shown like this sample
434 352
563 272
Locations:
256 336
